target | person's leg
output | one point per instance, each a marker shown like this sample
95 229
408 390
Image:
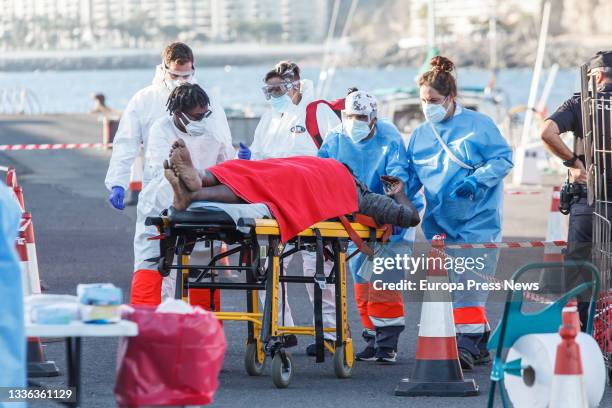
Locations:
579 243
328 294
288 319
183 197
146 286
384 209
471 323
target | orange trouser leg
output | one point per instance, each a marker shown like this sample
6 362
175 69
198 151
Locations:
386 307
470 320
201 297
146 287
362 298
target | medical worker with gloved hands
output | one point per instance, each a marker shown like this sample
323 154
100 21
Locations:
145 107
281 133
460 159
372 147
190 121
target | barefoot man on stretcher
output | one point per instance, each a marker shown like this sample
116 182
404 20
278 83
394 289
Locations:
299 191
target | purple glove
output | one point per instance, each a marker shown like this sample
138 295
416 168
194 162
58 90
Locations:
244 152
116 197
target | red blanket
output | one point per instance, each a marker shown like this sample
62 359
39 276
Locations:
299 191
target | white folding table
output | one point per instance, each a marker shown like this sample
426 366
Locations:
73 333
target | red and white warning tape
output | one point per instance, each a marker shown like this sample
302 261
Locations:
56 146
515 192
526 244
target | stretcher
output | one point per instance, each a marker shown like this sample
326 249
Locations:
261 253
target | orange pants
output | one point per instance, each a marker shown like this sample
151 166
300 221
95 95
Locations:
379 308
146 290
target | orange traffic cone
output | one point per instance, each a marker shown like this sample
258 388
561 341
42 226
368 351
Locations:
11 177
567 389
135 186
38 365
437 371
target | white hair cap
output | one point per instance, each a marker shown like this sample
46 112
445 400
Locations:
360 103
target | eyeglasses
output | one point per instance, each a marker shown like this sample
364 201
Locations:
277 90
198 117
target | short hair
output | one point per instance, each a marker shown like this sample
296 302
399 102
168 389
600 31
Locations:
287 70
177 52
186 97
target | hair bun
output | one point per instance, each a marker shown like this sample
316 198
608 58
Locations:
441 64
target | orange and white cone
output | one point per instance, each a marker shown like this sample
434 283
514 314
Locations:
553 279
33 275
38 365
568 389
11 177
135 186
437 371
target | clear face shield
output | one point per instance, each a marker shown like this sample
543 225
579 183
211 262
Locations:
280 89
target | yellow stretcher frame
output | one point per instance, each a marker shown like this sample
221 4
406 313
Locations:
332 233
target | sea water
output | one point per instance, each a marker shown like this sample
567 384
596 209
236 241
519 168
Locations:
240 86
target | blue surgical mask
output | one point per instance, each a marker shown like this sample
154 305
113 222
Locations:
434 112
357 129
280 103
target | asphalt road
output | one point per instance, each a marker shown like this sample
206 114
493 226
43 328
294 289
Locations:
81 239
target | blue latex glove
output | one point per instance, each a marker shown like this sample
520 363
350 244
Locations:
466 189
397 230
116 197
244 152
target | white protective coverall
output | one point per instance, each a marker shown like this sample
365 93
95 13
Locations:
284 135
145 107
206 151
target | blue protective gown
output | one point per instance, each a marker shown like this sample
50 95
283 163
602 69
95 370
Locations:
381 154
475 140
12 332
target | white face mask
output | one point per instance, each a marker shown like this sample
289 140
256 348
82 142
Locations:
434 112
171 84
195 128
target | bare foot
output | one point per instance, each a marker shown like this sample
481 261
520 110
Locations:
183 166
182 197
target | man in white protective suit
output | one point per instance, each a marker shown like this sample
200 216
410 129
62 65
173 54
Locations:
191 121
282 133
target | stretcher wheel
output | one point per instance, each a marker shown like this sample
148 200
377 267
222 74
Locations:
282 372
252 365
341 368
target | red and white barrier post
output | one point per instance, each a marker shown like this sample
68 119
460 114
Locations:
553 280
568 389
38 365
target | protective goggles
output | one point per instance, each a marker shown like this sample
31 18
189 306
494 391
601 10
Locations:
279 89
184 75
